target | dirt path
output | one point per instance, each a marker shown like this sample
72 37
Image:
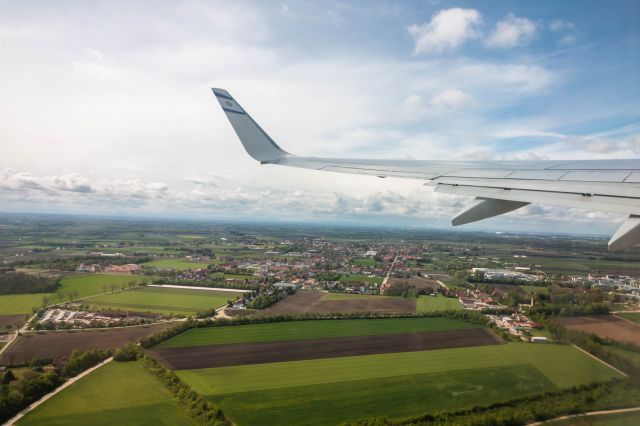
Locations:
65 385
592 413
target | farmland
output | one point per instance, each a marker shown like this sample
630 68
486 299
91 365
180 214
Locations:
630 316
163 300
57 345
534 289
361 278
92 284
177 264
373 384
13 304
114 393
312 329
437 303
621 419
605 326
208 356
314 301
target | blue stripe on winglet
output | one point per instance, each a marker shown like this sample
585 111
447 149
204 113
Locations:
230 110
220 95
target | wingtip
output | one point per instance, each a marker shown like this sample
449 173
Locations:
220 91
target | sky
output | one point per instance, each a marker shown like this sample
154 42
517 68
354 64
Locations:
106 105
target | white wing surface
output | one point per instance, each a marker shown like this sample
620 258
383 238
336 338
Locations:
499 186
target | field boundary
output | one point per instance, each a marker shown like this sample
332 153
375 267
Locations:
193 287
60 388
625 375
591 413
615 314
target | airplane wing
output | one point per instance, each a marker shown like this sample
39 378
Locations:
499 186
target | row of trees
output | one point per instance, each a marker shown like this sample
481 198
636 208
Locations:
201 411
267 299
18 282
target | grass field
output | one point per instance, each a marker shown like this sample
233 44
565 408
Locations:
631 316
231 276
163 300
115 394
455 284
312 329
437 303
329 391
622 419
364 262
177 264
12 304
534 289
360 278
92 284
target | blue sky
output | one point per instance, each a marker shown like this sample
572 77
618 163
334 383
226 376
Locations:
109 109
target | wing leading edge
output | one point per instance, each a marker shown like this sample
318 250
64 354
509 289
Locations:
499 186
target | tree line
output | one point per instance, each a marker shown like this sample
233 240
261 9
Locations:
12 282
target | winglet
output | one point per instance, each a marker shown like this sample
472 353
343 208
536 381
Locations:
256 141
627 236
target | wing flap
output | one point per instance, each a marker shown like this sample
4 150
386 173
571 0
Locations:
566 199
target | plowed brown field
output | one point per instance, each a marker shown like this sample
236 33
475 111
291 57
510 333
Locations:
311 301
605 326
58 345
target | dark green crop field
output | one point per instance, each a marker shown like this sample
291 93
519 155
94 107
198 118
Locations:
312 329
328 391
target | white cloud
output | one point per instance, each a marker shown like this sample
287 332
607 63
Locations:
561 25
452 99
568 40
94 66
512 32
603 145
447 29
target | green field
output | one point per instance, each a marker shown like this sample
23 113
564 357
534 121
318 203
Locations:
115 394
364 262
312 329
437 303
360 278
163 300
455 284
177 264
93 284
631 316
534 289
621 419
328 391
13 304
230 276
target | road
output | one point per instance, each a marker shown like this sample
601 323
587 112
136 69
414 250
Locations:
65 385
592 413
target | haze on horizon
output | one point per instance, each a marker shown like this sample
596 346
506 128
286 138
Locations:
109 109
